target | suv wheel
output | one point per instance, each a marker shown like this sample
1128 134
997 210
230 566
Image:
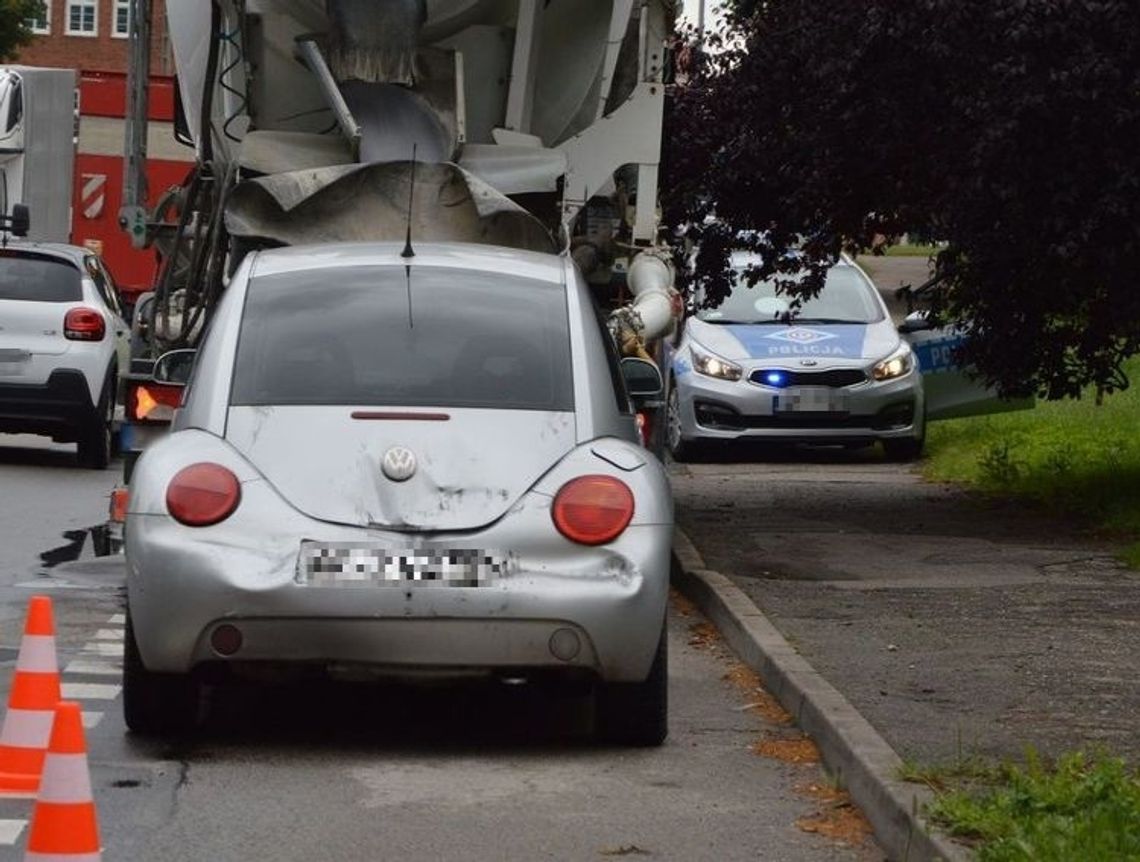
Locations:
155 703
96 437
904 448
636 713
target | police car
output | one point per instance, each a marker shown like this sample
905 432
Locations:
836 370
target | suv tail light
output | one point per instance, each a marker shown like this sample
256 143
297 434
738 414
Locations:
592 510
153 402
203 494
84 324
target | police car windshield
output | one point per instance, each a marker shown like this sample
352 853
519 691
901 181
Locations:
845 298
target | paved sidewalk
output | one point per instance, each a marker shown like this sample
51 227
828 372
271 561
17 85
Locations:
955 626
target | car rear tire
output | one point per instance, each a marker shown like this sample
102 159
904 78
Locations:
96 437
155 703
636 713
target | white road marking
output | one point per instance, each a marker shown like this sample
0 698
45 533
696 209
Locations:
108 648
118 620
10 831
90 691
96 668
91 720
51 585
109 635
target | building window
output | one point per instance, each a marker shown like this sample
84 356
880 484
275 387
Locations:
41 23
122 22
82 17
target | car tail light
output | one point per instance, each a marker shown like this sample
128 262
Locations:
644 427
203 494
84 324
593 510
153 402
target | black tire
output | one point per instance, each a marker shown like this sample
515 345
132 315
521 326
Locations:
96 437
636 713
156 703
904 449
680 450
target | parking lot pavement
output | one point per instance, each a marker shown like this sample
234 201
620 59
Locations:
955 626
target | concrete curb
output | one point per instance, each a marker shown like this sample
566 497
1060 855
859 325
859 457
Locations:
852 749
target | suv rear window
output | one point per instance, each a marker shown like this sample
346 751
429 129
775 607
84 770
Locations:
391 336
38 278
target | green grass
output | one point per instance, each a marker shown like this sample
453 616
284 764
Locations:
1083 808
906 249
1077 460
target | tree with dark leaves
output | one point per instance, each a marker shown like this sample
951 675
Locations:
14 31
1006 130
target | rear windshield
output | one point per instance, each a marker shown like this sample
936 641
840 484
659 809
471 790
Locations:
390 336
39 278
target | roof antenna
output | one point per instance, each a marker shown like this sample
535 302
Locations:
408 252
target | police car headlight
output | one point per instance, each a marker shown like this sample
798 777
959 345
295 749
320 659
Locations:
714 366
896 365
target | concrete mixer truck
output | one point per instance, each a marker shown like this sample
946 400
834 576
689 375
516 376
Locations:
526 124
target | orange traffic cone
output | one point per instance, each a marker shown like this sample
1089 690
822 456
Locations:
64 827
31 704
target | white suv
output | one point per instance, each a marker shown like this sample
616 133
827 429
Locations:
63 340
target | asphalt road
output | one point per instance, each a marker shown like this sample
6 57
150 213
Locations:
349 772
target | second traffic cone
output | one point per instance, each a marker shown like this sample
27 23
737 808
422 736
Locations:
64 826
31 703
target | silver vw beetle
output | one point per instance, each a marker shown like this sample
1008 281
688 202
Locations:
835 371
402 465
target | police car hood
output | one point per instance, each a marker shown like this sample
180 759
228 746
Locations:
842 342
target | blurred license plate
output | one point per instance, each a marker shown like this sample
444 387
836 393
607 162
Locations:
811 400
13 362
332 564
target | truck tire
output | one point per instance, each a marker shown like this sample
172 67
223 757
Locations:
636 713
96 437
155 703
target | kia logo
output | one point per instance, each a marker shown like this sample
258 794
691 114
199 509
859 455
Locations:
399 464
809 362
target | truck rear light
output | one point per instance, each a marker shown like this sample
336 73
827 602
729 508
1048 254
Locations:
153 403
84 324
203 494
592 510
119 500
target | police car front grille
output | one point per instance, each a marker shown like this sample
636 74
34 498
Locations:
834 377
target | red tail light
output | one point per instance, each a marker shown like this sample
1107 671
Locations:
84 324
153 402
203 494
119 500
593 510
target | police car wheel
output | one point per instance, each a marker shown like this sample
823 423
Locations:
904 448
680 449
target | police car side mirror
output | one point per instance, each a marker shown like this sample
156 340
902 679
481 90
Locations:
916 321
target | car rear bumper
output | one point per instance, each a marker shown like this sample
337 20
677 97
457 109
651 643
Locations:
58 407
606 603
722 410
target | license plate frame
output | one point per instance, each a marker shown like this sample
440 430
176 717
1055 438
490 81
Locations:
811 399
364 565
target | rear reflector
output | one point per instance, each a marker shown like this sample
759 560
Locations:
84 324
153 403
593 510
203 494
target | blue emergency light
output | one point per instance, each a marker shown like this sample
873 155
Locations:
776 378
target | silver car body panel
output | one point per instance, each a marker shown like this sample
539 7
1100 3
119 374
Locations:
296 468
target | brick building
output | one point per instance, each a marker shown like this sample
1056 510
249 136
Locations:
91 36
94 33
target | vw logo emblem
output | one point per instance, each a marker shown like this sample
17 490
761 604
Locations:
810 363
399 464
